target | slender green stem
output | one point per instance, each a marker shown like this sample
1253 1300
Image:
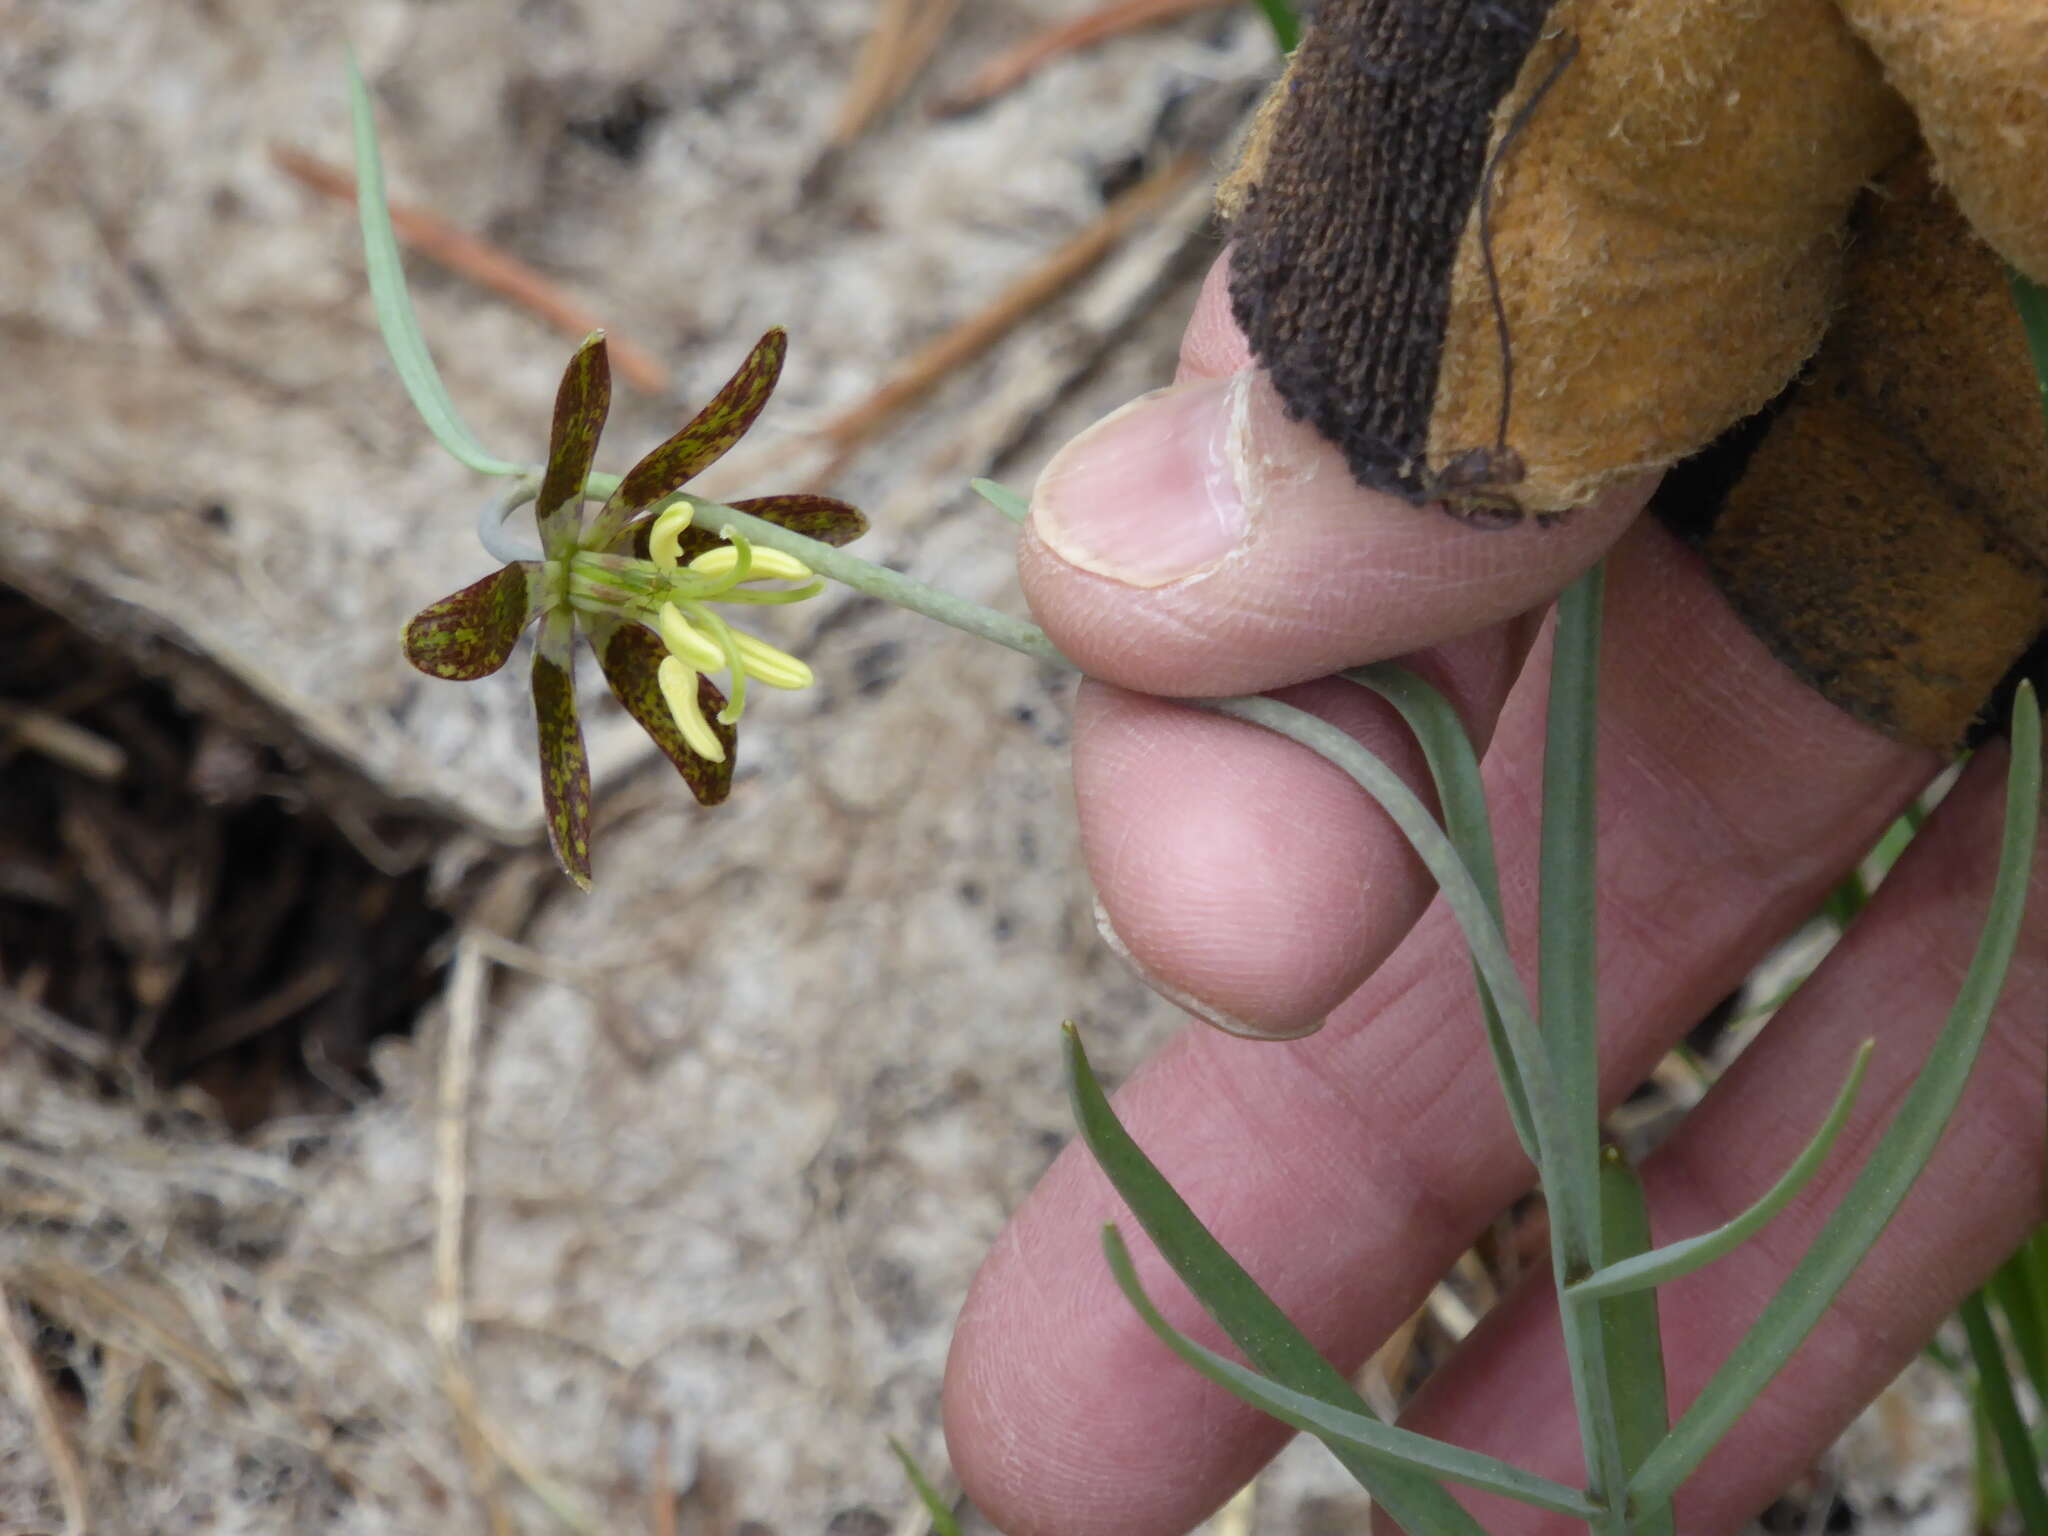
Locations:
1482 934
1567 986
1006 501
1461 794
865 576
1634 1339
490 522
2001 1407
1568 1007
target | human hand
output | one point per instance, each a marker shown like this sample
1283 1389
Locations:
1347 1171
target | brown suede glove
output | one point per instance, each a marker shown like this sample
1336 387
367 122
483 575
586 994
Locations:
1506 253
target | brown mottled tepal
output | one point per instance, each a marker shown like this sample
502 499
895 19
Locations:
1508 253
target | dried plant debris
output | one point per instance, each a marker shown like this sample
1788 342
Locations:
170 898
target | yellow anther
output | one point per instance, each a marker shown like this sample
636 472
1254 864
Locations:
768 664
665 538
769 564
696 649
679 690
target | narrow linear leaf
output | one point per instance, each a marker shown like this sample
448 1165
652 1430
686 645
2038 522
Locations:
944 1521
1660 1266
1568 1006
564 766
582 403
395 317
1454 767
1006 501
1634 1342
1358 1433
471 633
1246 1313
720 424
1900 1156
2001 1409
631 658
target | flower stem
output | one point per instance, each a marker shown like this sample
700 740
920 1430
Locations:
866 576
892 586
490 521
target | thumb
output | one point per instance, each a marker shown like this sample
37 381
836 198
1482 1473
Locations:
1198 541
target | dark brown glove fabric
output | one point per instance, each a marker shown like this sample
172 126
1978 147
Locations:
1507 253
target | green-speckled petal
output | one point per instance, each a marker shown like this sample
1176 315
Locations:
470 634
815 517
631 657
581 405
564 766
700 444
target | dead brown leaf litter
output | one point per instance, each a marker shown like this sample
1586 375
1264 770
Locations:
167 892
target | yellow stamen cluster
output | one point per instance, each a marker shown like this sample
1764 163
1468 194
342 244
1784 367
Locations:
700 642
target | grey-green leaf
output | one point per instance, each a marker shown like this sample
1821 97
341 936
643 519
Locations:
1251 1318
395 317
1660 1266
1632 1343
1359 1433
1454 767
1006 501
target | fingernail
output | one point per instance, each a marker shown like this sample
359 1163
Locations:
1150 494
1187 1002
